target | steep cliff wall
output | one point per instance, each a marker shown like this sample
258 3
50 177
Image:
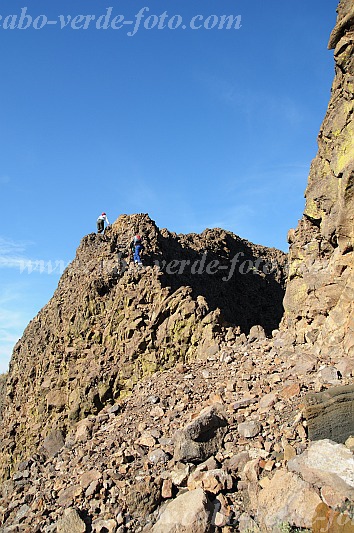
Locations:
319 301
103 331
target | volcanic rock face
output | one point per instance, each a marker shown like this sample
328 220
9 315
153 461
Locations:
109 324
215 435
319 301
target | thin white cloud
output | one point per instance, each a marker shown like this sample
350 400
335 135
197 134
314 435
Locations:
11 253
10 247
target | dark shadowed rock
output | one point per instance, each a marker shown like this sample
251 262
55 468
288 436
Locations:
143 497
202 437
329 414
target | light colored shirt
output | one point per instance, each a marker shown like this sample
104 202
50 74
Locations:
104 217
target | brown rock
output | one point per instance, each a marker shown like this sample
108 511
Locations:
318 303
286 499
327 463
71 522
179 474
67 496
290 391
249 429
188 513
102 332
53 443
87 477
83 430
331 521
213 481
143 497
166 491
202 437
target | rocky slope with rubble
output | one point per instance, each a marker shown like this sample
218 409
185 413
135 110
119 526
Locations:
218 444
109 323
165 400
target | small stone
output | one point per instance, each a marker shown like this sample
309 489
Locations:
264 482
350 443
153 399
267 401
290 391
87 477
244 402
220 519
66 496
146 440
157 412
268 466
92 488
231 386
104 526
212 481
158 456
166 491
237 462
251 470
249 429
256 333
329 374
289 452
71 522
83 430
114 410
179 474
22 513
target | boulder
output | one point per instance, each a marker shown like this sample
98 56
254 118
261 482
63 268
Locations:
327 463
287 498
202 437
188 513
329 414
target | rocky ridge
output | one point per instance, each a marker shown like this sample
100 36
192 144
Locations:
319 306
110 324
197 428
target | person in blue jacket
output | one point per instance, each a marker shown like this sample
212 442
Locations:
137 248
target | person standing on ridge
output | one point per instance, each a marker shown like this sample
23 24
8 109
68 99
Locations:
100 222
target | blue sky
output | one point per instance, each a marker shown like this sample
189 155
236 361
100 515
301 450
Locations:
197 127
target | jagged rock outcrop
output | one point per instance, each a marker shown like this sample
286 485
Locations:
103 330
215 435
319 301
